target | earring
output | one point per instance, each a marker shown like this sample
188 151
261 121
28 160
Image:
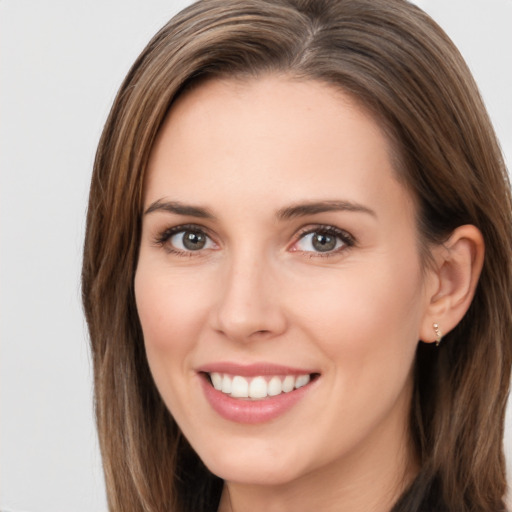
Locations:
439 334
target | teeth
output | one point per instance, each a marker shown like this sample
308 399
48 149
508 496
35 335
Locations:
226 384
275 386
216 380
302 380
240 387
257 387
288 383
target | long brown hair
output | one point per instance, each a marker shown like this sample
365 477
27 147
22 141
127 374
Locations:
401 66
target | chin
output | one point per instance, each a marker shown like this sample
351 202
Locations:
252 470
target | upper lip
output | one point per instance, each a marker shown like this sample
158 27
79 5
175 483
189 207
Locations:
253 369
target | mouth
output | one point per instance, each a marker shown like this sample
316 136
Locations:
259 387
255 393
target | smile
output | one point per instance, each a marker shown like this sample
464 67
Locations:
255 393
259 387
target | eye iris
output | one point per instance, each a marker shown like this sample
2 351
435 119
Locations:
193 240
323 242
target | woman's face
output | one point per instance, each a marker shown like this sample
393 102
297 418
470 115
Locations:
279 284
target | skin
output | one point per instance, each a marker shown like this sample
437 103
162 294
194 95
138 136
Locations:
260 292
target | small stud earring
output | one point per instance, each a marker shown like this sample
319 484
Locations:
439 334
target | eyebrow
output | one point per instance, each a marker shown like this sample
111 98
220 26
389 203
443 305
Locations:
304 209
290 212
179 209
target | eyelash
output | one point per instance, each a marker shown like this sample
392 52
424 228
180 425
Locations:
164 237
346 238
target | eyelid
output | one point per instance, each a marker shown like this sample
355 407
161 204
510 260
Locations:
347 239
165 235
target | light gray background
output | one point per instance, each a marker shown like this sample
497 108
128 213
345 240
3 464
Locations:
61 64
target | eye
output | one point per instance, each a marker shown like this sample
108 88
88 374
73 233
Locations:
189 240
323 240
185 239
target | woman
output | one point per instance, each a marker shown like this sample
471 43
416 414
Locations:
284 273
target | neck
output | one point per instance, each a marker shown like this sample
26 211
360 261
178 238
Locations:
329 491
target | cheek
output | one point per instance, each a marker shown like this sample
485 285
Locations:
171 314
365 322
363 308
171 311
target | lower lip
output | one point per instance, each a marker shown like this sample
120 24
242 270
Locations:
251 411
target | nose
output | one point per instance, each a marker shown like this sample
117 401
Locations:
249 303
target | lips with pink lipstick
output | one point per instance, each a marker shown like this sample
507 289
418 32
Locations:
254 393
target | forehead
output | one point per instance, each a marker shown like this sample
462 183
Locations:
272 137
283 97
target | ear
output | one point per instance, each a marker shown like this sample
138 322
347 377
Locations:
452 282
